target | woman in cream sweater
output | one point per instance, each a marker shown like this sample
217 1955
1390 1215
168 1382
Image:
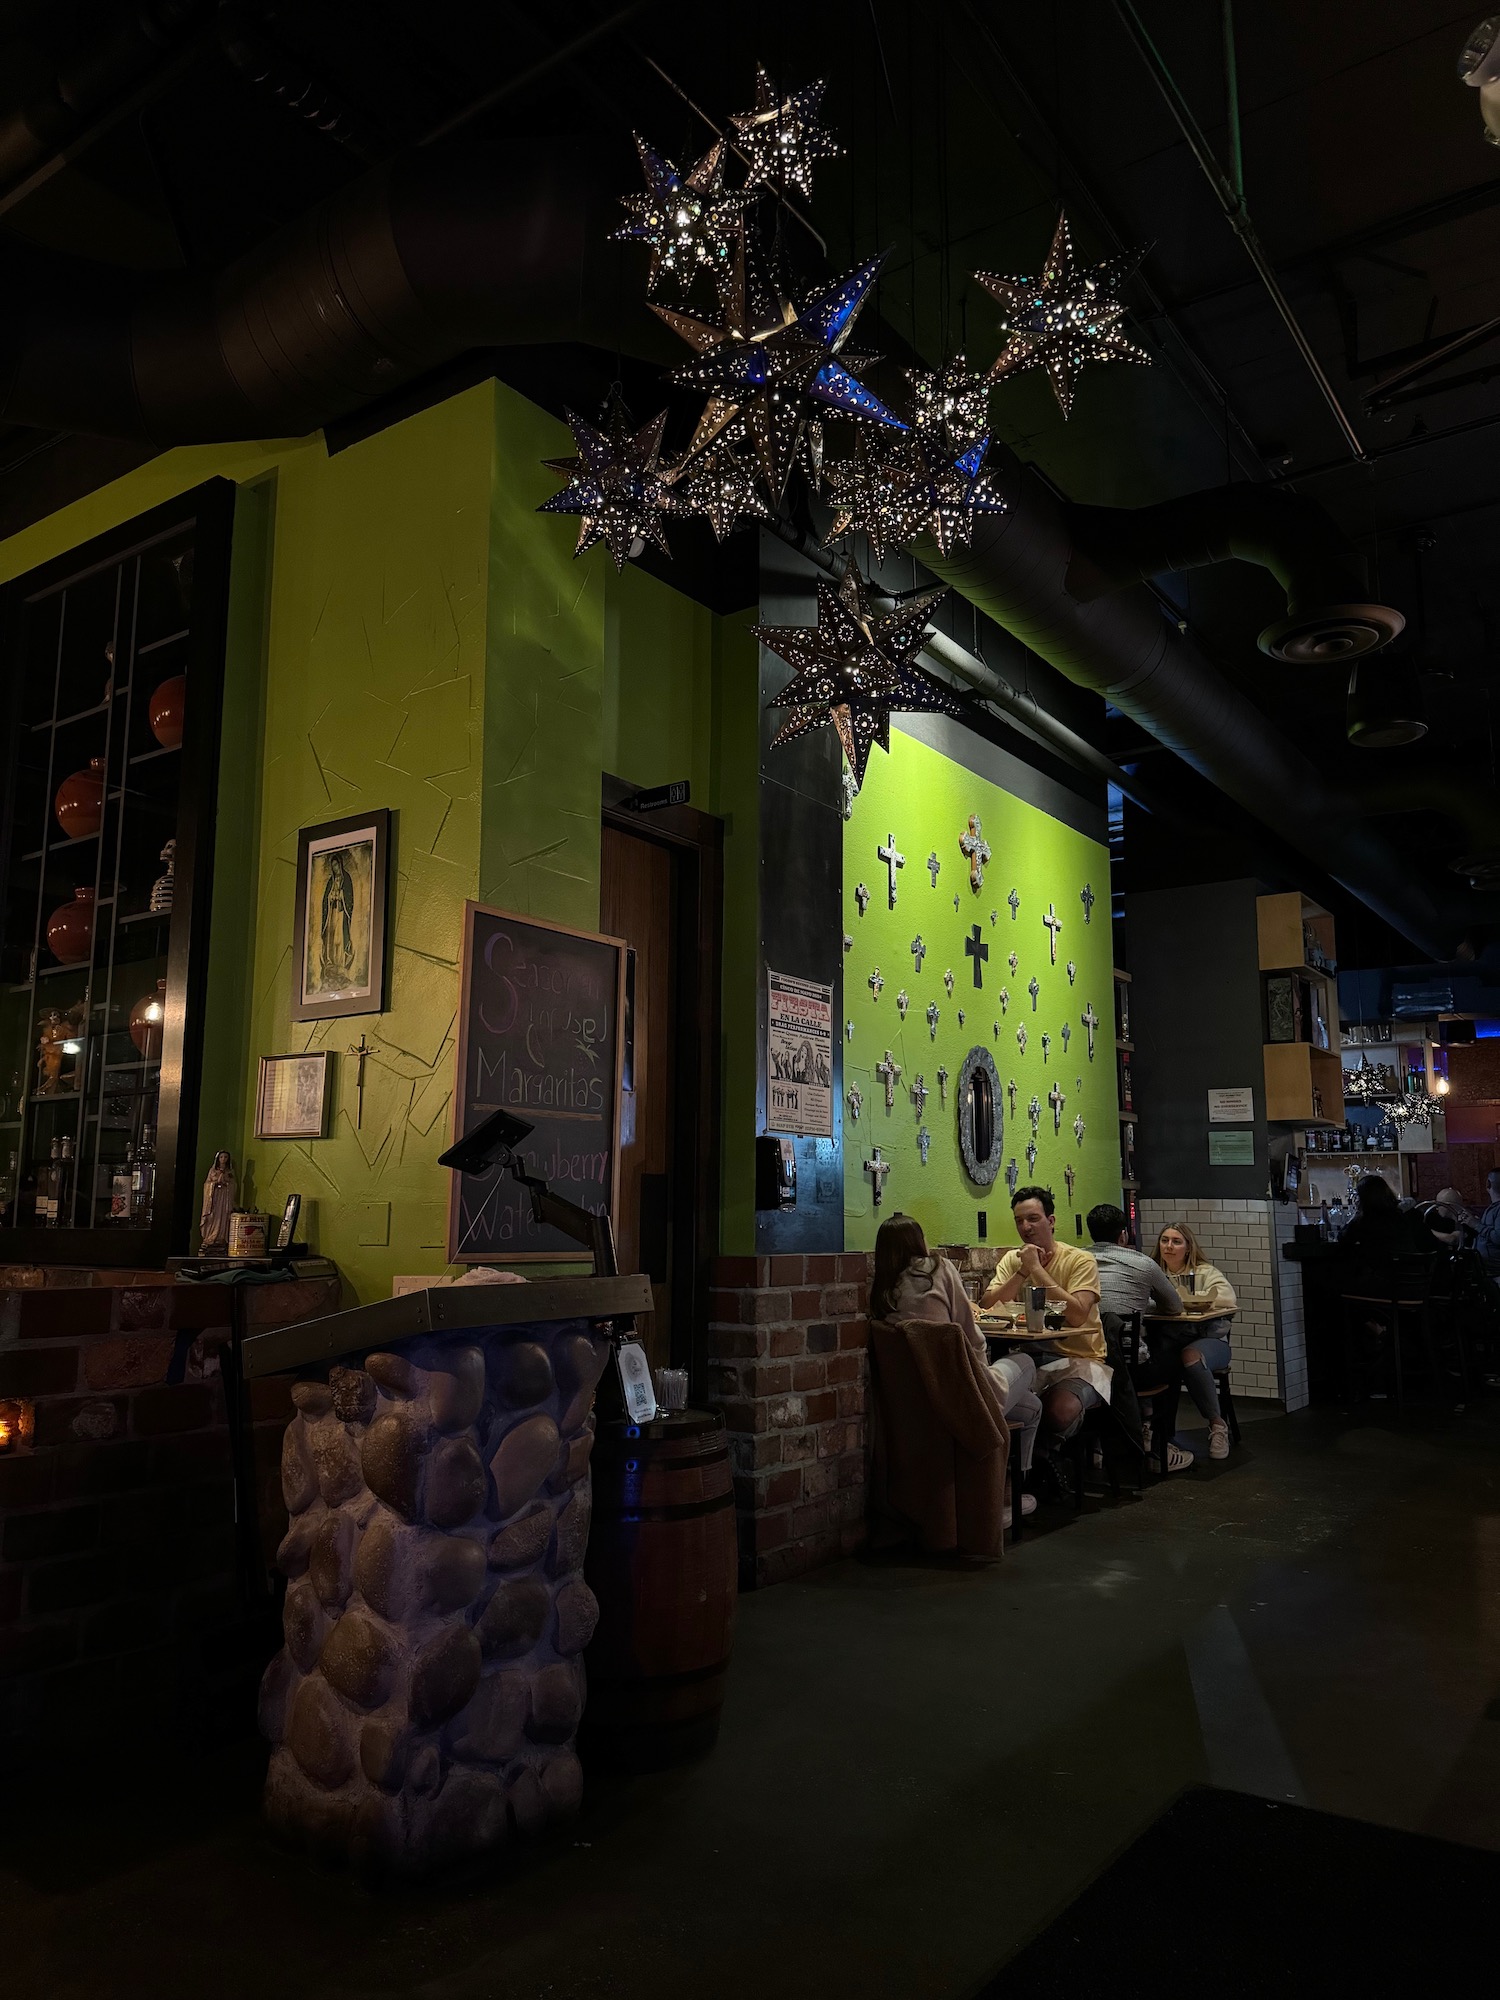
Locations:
1201 1340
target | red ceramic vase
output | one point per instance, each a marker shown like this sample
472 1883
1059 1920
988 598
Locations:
165 710
79 804
146 1020
70 928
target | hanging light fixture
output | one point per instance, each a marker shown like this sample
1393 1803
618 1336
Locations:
1386 707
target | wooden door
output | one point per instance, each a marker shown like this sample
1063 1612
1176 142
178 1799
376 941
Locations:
637 892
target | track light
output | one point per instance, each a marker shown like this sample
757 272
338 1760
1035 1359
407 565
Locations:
1385 709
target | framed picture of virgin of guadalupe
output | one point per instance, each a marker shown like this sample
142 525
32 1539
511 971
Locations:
338 939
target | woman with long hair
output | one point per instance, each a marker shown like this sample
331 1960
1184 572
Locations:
1201 1347
910 1283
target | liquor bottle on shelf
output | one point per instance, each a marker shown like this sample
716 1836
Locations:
119 1189
46 1187
143 1180
62 1186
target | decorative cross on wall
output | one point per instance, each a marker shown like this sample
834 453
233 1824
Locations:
1079 1128
889 1072
924 1140
1034 1112
877 1169
1054 924
1090 1021
850 791
1004 999
977 848
1010 1091
862 897
1046 1045
1072 972
903 1001
918 950
933 865
848 941
955 906
1067 1035
1033 989
1012 1177
1056 1099
875 982
942 1077
893 859
1013 962
360 1050
849 1030
948 981
920 1094
932 1018
1031 1156
854 1097
1086 897
1021 1038
1070 1175
994 916
1014 899
978 950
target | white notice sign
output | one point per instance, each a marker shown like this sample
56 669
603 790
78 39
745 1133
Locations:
799 1057
1231 1107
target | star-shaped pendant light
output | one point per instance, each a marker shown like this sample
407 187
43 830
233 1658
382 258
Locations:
770 366
781 138
722 486
1063 319
688 219
616 483
854 669
871 494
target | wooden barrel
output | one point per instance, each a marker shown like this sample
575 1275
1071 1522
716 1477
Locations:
662 1562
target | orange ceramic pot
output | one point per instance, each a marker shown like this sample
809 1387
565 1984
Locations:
165 710
146 1018
79 804
70 928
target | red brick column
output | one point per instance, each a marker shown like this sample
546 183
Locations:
787 1342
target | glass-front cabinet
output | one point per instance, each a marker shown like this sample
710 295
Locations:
112 663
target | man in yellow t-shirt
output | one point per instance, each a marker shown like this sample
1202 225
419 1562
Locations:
1072 1369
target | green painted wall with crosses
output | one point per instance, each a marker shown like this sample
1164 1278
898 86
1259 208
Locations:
925 801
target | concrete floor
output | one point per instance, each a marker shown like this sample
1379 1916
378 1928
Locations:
918 1767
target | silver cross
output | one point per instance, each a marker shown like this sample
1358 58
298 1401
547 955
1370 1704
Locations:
889 1072
849 1031
1012 1176
1090 1021
1010 1091
1033 989
903 1001
862 897
942 1076
932 1018
1056 1099
1054 924
1013 962
1046 1045
1079 1128
924 1140
1004 999
1014 899
997 1031
960 1017
994 916
850 791
1021 1038
893 860
955 906
848 941
1086 897
977 848
877 1169
933 865
1034 1112
920 1095
854 1097
1031 1156
1070 1175
875 982
1072 972
948 981
1067 1035
918 950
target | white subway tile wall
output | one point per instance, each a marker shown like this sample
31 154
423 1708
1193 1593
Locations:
1244 1239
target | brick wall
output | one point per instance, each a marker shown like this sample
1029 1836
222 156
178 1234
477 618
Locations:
1240 1237
787 1343
117 1541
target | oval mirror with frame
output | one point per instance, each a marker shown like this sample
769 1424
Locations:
981 1117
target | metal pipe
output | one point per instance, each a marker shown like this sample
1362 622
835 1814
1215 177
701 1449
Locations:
1237 214
1232 96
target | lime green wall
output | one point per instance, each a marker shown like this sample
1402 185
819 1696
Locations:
925 799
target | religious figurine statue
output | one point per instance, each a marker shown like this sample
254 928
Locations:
218 1204
52 1033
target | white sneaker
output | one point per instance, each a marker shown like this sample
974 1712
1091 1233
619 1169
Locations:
1179 1460
1028 1506
1218 1439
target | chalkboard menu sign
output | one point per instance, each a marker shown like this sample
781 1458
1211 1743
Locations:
540 1028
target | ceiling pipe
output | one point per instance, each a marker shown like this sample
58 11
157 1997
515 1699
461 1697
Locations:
1017 569
1329 619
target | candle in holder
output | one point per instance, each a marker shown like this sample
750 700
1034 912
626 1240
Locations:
17 1420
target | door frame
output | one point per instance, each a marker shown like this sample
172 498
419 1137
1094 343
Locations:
696 841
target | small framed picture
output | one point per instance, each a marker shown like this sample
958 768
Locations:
338 931
292 1101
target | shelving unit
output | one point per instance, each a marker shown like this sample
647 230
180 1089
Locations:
1296 954
84 644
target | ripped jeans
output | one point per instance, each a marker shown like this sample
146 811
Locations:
1017 1374
1211 1339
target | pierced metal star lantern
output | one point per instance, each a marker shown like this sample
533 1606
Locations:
1063 319
854 668
723 487
781 138
616 483
771 367
688 219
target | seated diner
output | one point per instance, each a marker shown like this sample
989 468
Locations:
1130 1282
1072 1366
1203 1348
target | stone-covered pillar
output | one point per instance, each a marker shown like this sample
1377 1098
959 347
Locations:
429 1691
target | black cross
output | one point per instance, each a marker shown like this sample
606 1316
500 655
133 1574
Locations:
978 950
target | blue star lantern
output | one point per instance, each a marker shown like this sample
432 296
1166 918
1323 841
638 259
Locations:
688 219
615 483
